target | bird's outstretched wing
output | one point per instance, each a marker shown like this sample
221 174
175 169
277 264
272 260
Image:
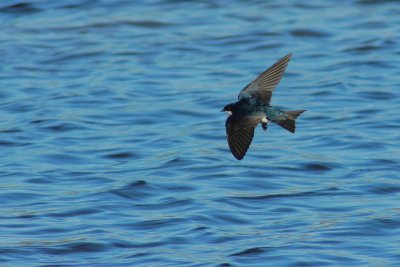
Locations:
263 86
240 133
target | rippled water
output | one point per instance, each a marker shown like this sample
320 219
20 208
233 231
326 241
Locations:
113 149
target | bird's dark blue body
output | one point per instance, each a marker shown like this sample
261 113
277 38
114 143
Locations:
253 108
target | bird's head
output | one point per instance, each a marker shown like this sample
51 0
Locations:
228 109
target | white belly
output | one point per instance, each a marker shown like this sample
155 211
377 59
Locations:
264 120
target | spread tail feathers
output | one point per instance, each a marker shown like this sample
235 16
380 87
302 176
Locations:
290 122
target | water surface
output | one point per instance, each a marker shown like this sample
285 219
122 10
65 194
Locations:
113 149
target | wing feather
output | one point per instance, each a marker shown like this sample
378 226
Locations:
240 133
263 86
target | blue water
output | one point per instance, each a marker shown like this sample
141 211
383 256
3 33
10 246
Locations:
113 148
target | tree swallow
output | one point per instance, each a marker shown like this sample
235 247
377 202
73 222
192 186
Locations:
253 108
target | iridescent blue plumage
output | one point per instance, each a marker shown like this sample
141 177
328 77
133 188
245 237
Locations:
275 114
254 107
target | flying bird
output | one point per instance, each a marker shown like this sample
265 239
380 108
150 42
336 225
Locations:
254 107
